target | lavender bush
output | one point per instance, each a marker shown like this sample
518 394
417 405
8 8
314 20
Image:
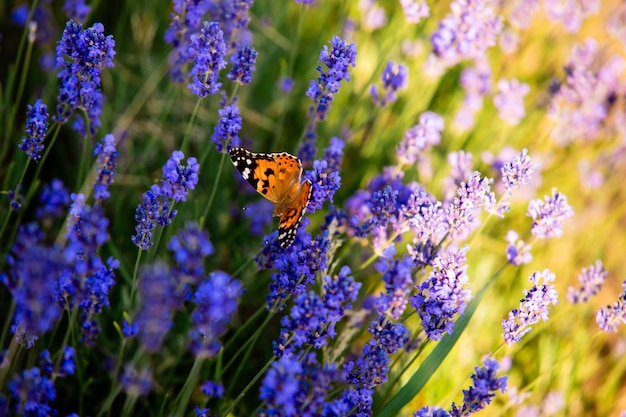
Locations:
462 244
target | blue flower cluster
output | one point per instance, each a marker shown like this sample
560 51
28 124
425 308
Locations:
36 129
81 55
157 203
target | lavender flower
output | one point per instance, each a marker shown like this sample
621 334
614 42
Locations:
534 306
42 24
81 57
517 252
394 78
158 301
312 318
186 21
178 179
76 10
36 128
443 295
549 215
296 265
243 64
212 389
519 171
285 84
372 366
415 10
480 394
591 280
420 137
189 247
510 100
337 60
609 317
521 12
208 50
398 278
33 269
86 281
54 200
571 13
107 162
233 17
294 387
33 393
431 412
461 163
476 82
463 214
466 33
154 210
226 134
325 182
216 302
580 105
157 203
136 383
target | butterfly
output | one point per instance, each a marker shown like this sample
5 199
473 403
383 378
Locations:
277 176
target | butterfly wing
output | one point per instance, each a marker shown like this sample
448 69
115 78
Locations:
259 169
292 215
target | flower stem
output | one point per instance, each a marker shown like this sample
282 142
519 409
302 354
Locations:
213 191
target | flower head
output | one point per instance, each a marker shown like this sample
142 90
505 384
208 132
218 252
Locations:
519 171
216 302
36 128
178 179
158 301
533 307
81 55
443 295
33 269
420 137
243 61
208 50
591 280
107 162
510 100
33 393
189 247
337 60
54 200
517 252
549 215
394 78
415 10
226 134
478 396
76 10
466 33
609 317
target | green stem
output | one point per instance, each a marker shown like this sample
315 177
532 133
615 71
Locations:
247 388
17 190
70 328
290 65
185 393
24 73
183 147
10 356
213 191
133 287
7 323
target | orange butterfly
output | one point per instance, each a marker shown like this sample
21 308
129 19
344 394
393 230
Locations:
277 176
